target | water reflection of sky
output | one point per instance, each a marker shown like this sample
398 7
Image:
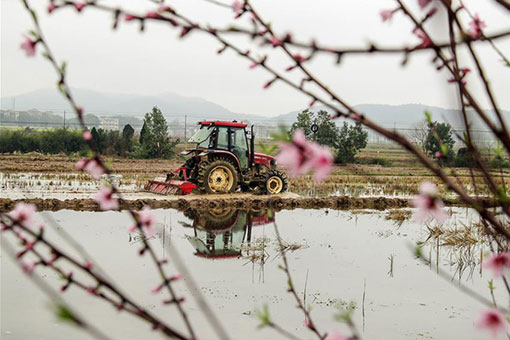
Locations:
233 255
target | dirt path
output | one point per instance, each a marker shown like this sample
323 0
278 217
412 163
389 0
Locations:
239 201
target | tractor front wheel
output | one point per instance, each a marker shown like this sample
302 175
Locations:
276 182
218 176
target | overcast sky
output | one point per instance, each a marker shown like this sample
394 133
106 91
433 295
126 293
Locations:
156 61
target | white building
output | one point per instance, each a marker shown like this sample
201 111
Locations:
108 123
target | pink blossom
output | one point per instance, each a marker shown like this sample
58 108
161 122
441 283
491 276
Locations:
424 3
152 15
432 12
185 30
428 205
254 64
129 17
498 263
308 324
438 154
23 213
29 46
237 6
88 265
28 266
275 41
425 41
299 58
176 277
52 7
476 26
386 14
165 8
79 6
302 156
335 336
81 163
493 321
147 220
105 199
94 169
87 136
156 289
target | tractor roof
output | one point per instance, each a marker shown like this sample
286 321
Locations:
223 123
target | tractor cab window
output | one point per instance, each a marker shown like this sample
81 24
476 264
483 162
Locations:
239 146
202 137
222 137
239 139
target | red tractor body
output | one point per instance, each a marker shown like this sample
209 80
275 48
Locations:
224 159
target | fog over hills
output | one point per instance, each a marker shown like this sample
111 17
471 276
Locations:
174 107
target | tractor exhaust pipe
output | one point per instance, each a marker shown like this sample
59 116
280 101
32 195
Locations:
252 148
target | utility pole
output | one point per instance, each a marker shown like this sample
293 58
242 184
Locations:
185 127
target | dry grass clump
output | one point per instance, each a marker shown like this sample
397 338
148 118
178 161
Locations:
399 216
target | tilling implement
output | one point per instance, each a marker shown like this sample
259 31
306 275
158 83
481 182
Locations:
223 161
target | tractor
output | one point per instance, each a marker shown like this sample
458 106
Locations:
223 161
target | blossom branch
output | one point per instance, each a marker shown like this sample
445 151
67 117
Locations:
10 224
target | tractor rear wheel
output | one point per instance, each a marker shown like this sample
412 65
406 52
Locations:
276 182
217 176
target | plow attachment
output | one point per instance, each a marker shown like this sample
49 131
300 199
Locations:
170 187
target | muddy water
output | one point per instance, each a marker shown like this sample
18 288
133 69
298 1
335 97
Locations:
344 256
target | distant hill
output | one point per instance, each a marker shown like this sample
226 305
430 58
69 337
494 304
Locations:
174 107
399 115
104 104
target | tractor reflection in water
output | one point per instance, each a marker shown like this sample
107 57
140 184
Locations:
227 232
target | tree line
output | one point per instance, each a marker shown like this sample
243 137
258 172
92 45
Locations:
152 142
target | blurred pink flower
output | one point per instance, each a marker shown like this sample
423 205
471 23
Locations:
424 3
52 7
493 321
88 265
301 156
147 220
498 263
237 6
386 14
129 17
81 163
432 12
94 168
105 199
476 26
87 135
29 46
79 5
299 58
428 205
275 41
335 336
23 213
425 41
165 8
28 266
152 15
176 277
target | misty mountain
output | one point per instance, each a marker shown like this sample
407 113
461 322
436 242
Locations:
174 107
108 104
402 115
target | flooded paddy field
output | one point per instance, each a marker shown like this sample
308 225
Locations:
39 176
362 259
